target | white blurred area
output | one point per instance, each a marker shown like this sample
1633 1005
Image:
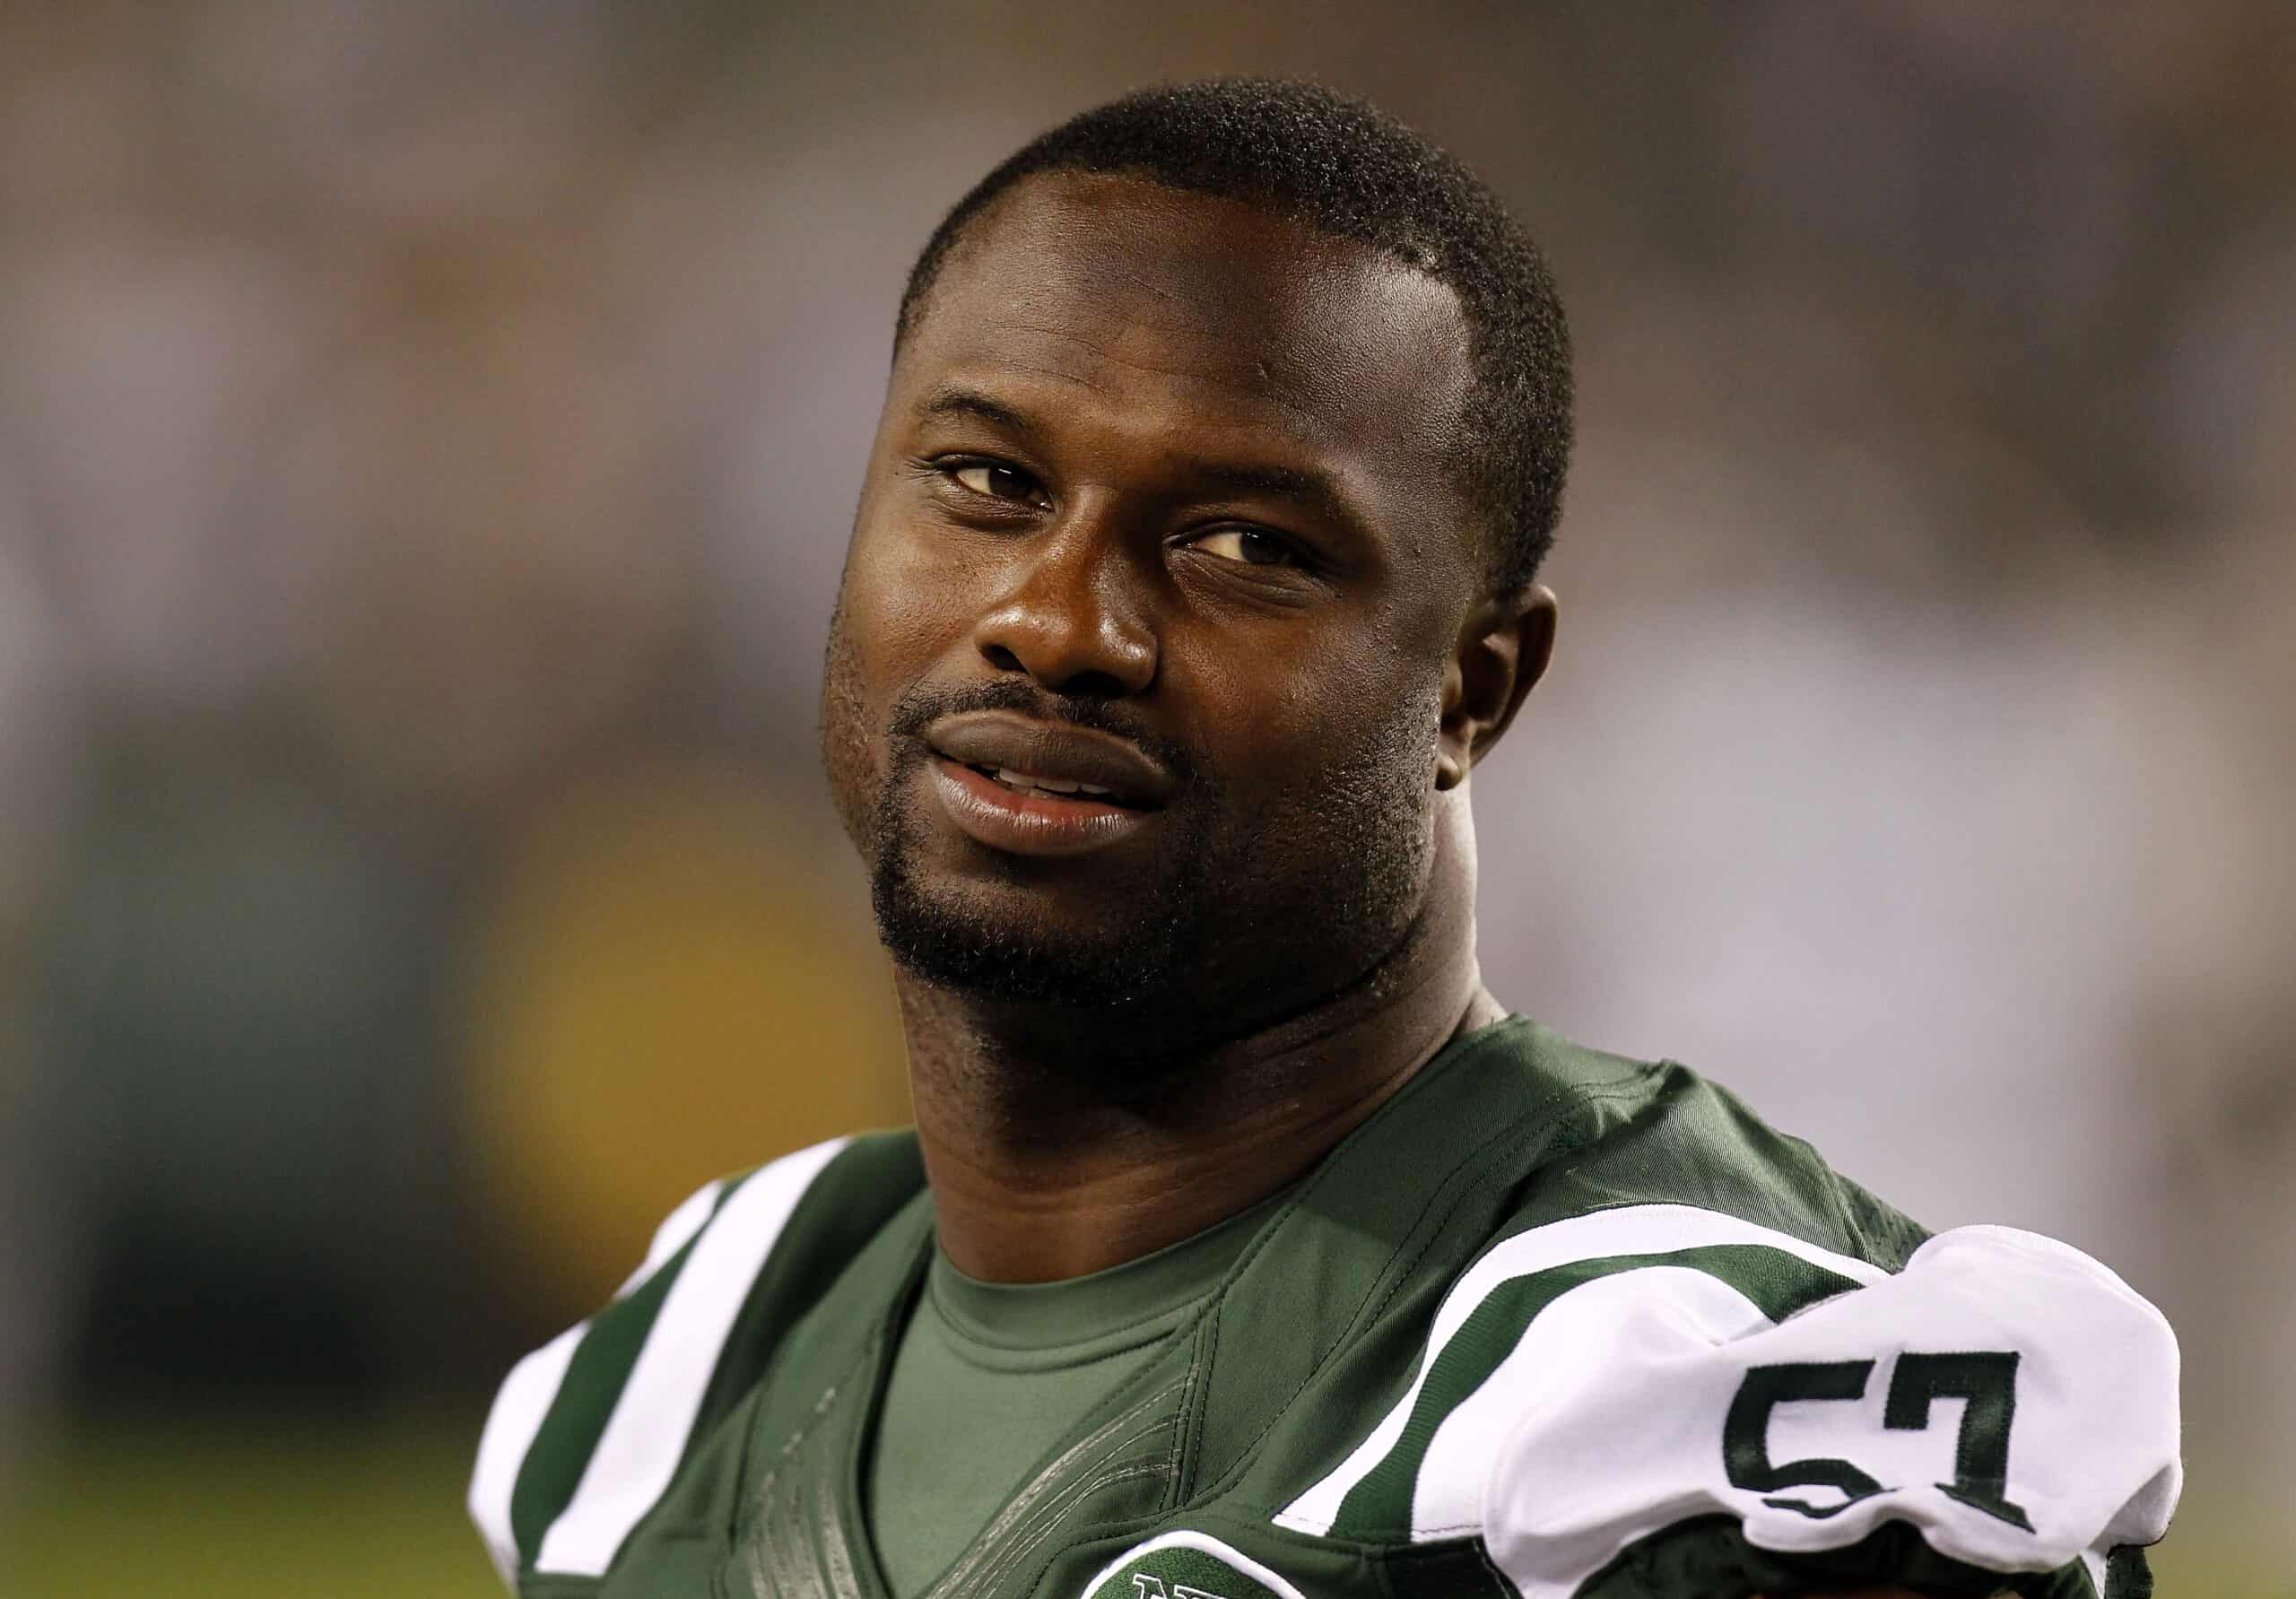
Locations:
418 422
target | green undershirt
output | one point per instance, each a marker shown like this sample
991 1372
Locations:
989 1375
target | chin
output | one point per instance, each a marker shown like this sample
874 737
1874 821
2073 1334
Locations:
1004 954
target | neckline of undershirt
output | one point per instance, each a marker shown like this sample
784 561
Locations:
1045 1325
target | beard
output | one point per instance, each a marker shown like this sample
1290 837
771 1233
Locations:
959 938
1248 912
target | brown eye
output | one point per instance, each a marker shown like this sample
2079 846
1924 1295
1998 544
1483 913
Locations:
1248 545
996 482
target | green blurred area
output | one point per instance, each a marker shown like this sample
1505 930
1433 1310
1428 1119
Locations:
246 1511
279 1508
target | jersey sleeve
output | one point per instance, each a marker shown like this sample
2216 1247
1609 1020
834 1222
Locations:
2002 1413
588 1431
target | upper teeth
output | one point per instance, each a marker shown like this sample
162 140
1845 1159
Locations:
1020 779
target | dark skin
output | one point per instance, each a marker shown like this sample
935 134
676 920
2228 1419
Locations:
1187 461
1149 351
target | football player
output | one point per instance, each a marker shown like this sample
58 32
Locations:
1246 1246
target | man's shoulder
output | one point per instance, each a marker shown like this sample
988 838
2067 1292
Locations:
1589 1132
618 1402
1667 1340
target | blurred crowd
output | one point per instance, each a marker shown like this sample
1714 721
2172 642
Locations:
428 434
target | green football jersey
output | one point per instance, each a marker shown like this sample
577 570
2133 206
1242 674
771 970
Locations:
1551 1324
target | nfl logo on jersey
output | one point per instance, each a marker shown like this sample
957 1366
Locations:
1186 1565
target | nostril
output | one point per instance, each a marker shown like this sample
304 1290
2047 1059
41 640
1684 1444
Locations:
1002 658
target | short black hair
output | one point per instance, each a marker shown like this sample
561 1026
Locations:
1303 152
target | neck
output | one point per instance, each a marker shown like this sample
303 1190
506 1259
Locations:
1041 1170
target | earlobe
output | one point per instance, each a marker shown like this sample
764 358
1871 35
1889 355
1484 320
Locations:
1450 772
1502 655
1452 738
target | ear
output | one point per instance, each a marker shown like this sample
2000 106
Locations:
1502 651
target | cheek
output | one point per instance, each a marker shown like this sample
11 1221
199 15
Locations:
1284 722
879 634
909 604
850 747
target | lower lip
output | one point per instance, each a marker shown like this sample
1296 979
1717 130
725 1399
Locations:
1030 823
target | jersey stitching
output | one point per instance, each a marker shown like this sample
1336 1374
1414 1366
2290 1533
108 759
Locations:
866 1355
1200 1400
1023 1505
1026 1546
1034 1532
1615 1090
1486 1155
1167 1466
764 1497
722 1395
1316 1178
772 1359
1476 1160
1499 1584
764 1543
1201 1351
1479 1160
836 1549
967 1334
1474 1165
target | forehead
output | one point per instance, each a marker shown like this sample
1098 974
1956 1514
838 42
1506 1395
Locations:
1189 315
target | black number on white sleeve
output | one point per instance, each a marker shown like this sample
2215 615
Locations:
1745 1433
1985 1380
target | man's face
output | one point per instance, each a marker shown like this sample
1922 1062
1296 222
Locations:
1158 505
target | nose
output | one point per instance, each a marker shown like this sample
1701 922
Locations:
1075 618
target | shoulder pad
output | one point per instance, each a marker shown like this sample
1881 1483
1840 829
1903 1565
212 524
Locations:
588 1432
2004 1405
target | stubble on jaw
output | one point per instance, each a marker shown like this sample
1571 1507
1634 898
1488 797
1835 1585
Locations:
846 745
1223 936
962 939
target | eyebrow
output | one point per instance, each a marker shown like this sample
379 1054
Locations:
1281 482
967 402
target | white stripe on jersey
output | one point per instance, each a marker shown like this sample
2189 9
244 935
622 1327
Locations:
1573 1335
511 1427
527 1393
1629 1230
645 1437
675 1232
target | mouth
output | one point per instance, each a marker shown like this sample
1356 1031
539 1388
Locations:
1024 786
1076 789
994 810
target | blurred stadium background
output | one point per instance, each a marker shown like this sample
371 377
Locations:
428 433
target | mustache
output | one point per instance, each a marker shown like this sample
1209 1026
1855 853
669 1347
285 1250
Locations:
920 707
